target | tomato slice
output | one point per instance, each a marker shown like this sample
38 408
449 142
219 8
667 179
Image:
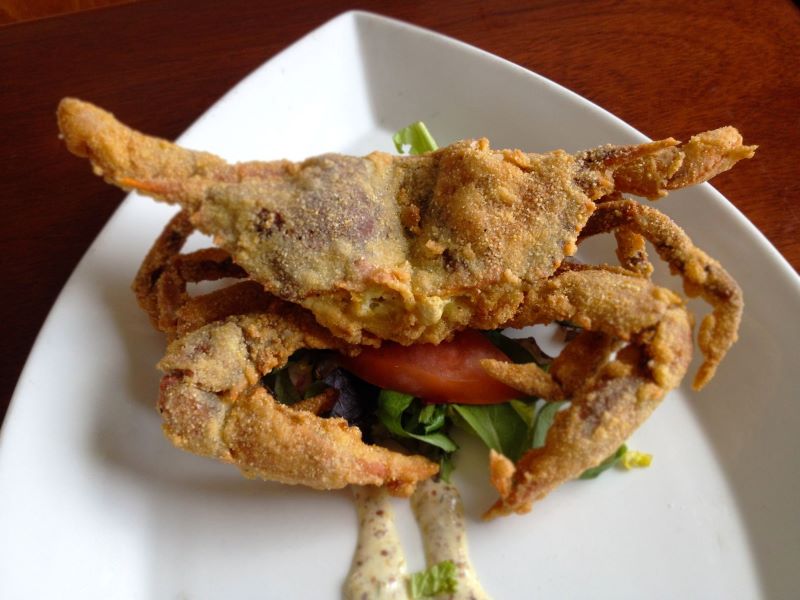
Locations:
447 372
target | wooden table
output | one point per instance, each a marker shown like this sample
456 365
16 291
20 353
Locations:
667 68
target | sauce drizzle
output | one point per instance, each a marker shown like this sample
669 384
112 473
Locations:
439 512
379 567
379 571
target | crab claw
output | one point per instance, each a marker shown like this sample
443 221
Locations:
213 404
702 275
610 397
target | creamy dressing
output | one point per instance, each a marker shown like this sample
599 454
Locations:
440 516
379 567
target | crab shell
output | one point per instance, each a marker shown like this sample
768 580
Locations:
408 249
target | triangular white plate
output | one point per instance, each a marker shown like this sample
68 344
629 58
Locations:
95 503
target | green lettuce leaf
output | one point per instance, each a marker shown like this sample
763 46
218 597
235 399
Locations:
446 466
404 416
606 464
435 580
282 386
417 137
499 426
543 422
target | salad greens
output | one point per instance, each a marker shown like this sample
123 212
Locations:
606 464
499 426
309 373
416 137
284 388
510 428
435 580
544 419
405 416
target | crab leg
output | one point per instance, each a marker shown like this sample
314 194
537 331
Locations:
581 359
632 252
607 300
161 290
608 404
160 283
668 165
702 275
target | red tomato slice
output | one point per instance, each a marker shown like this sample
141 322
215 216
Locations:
447 372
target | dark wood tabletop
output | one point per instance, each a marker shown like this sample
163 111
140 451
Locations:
667 68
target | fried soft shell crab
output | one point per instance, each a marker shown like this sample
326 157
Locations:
343 252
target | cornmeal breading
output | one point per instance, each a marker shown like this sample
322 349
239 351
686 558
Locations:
337 252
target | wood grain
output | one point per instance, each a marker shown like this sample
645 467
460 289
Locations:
16 11
667 68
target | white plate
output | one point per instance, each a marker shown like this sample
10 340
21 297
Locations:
95 503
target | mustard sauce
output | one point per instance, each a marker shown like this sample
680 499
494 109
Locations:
379 570
439 512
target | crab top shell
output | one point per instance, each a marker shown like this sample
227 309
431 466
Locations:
398 242
408 249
